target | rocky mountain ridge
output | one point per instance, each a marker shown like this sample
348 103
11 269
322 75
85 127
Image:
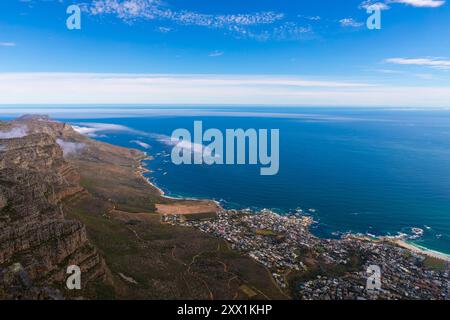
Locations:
36 240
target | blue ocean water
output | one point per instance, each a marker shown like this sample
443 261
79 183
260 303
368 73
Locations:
370 171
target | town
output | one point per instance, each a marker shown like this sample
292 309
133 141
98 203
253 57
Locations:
308 267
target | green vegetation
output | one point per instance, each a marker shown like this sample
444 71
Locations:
434 263
269 233
166 261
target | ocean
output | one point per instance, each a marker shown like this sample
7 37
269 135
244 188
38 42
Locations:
374 171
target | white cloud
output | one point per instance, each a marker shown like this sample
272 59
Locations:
164 29
420 3
311 18
7 44
80 88
259 26
70 147
15 132
285 31
127 9
92 129
424 76
373 4
222 21
350 22
435 63
156 9
216 53
389 71
415 3
141 144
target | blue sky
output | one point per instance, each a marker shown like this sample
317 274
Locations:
280 52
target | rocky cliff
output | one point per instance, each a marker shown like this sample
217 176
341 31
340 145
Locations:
37 242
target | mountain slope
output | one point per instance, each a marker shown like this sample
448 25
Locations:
66 199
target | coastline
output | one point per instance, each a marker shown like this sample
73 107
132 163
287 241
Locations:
422 250
399 242
142 170
202 204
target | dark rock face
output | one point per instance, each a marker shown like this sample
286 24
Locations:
34 179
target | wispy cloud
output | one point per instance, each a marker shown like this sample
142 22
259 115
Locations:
164 29
423 76
436 63
285 32
130 10
415 3
141 144
70 147
156 9
216 53
7 44
373 4
15 132
94 129
389 71
350 22
311 18
420 3
241 25
98 88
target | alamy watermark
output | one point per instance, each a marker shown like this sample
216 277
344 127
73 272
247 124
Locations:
73 22
373 283
235 146
73 281
374 20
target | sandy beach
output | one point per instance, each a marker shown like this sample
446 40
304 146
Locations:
183 206
426 252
